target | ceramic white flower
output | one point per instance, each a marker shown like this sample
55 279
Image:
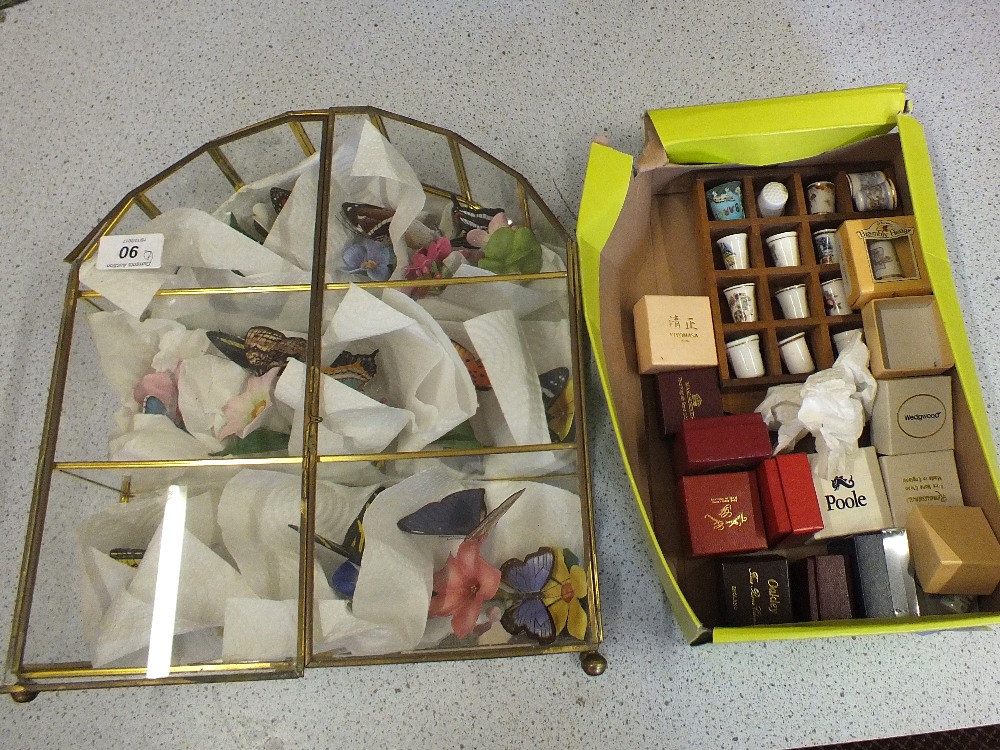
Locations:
247 410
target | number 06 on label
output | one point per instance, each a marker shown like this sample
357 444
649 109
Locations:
130 252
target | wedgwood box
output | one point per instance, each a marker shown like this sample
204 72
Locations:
913 415
733 441
674 333
638 235
869 271
687 394
853 502
920 479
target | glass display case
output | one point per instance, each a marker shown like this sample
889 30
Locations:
316 401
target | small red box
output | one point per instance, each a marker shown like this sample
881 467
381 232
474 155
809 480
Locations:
687 394
788 499
723 513
800 496
735 441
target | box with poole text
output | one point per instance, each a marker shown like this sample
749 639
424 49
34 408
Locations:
644 230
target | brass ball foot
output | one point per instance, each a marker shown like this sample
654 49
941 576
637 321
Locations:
593 663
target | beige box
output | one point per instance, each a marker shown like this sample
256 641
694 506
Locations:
920 479
954 550
913 415
854 502
860 283
674 333
906 337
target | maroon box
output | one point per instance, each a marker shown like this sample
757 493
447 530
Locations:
722 513
687 394
788 499
821 588
735 441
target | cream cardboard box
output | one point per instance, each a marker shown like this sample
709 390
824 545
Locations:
920 479
673 333
906 337
855 502
638 234
913 415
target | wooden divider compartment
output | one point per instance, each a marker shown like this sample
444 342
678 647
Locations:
771 325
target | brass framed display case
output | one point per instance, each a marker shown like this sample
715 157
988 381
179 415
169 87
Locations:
336 421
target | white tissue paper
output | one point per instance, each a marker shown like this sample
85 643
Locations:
191 239
117 601
418 367
832 404
389 610
368 169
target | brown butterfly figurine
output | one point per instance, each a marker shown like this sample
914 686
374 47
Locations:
354 370
261 349
373 222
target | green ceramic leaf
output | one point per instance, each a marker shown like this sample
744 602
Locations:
460 437
262 440
511 251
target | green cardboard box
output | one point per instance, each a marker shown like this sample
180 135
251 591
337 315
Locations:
638 234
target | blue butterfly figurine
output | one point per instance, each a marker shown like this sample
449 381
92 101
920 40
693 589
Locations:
525 579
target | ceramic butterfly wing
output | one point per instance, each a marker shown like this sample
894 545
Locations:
354 370
457 514
557 397
368 220
527 578
475 366
465 218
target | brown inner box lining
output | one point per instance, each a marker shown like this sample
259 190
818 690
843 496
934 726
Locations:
657 251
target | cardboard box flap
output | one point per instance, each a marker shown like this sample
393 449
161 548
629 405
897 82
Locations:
931 231
762 131
607 184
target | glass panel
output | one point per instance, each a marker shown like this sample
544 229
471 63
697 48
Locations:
271 152
426 151
153 568
456 366
492 186
199 378
387 540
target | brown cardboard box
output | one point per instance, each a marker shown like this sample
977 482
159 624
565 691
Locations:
860 283
906 337
654 246
954 550
674 333
913 415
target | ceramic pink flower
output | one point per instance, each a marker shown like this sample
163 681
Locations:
462 586
246 411
479 237
163 387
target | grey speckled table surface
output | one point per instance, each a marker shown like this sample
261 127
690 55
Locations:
97 97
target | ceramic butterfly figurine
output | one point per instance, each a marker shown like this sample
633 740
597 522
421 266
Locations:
525 579
130 556
261 349
373 222
557 397
480 378
345 578
354 370
460 514
466 218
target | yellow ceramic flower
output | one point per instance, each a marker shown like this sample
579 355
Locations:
562 595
